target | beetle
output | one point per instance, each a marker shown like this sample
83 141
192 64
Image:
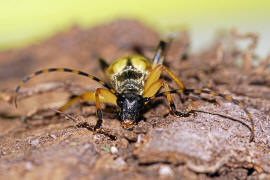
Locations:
133 82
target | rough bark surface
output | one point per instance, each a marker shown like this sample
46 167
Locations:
213 144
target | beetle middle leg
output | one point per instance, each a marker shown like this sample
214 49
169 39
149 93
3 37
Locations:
152 90
99 96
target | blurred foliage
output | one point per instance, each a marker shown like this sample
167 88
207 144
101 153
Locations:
27 21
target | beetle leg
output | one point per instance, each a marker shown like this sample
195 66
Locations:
155 75
99 96
152 90
105 97
159 53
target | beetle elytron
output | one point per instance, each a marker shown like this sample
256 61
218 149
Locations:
134 81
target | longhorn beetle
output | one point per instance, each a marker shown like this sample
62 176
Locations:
133 82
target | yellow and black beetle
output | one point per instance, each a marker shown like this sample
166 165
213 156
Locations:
134 81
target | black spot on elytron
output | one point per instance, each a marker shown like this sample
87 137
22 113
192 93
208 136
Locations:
129 62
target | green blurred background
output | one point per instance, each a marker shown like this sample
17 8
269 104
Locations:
24 22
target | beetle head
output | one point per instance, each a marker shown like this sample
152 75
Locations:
130 106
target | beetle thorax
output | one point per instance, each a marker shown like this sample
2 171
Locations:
129 80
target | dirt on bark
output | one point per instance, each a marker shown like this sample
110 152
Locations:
211 144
